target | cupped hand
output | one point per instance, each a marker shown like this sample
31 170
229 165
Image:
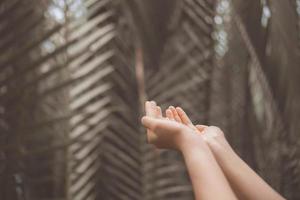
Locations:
165 133
213 135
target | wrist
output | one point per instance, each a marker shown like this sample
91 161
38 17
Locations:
221 149
191 142
227 158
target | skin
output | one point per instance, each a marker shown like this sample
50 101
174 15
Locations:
207 178
243 180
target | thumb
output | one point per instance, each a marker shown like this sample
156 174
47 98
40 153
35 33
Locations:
149 122
158 125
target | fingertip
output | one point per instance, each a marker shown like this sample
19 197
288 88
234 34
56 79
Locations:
147 121
172 108
175 114
179 109
180 112
158 112
169 114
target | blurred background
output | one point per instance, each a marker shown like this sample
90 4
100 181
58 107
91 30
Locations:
74 75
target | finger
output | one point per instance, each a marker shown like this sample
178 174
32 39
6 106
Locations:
153 103
150 113
175 114
169 115
183 116
201 128
148 122
148 108
153 106
154 109
158 125
158 112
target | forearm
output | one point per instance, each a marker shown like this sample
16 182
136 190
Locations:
207 178
244 181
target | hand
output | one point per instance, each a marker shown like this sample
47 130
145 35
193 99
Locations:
213 135
171 132
238 173
164 133
152 110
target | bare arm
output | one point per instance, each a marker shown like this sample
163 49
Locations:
207 178
244 181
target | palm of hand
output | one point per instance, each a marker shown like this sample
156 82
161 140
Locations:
213 135
162 132
177 121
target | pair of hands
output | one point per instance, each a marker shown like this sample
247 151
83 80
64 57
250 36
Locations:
176 131
211 162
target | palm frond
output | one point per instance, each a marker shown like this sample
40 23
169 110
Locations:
73 75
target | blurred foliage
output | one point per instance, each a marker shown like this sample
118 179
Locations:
73 74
